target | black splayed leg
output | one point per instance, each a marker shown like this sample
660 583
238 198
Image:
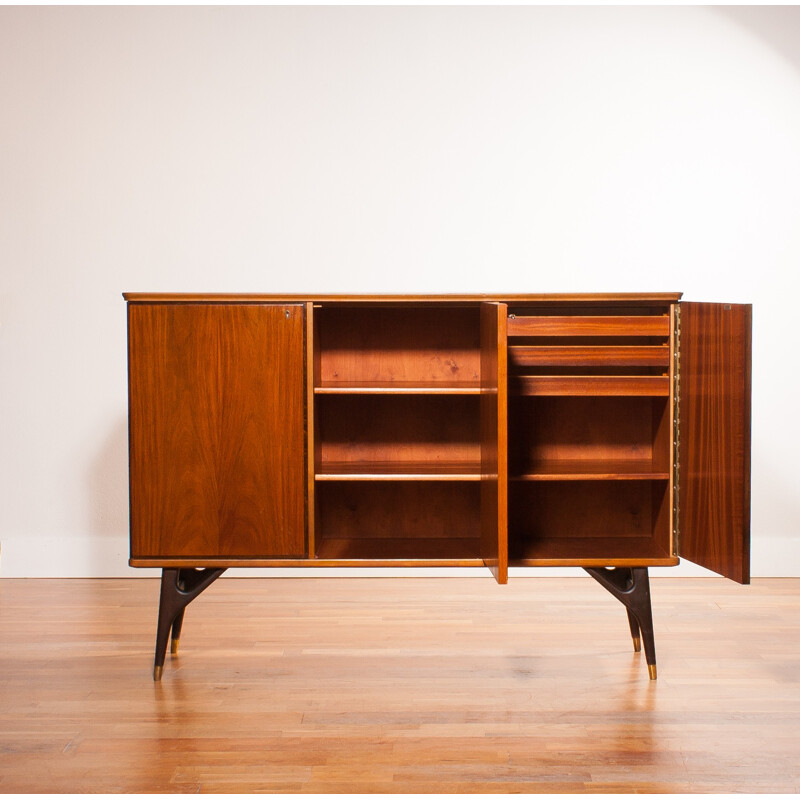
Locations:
632 621
631 586
176 631
178 588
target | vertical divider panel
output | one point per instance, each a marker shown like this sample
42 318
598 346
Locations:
312 358
494 439
671 430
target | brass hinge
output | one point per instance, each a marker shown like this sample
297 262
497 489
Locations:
676 437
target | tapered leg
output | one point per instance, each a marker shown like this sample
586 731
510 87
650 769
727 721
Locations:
631 586
644 614
167 609
176 631
178 588
637 642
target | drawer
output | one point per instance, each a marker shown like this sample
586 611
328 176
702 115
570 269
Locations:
591 385
588 326
589 356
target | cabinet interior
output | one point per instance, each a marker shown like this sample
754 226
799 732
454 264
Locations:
395 348
589 478
397 433
589 434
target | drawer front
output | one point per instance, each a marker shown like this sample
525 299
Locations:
620 353
588 326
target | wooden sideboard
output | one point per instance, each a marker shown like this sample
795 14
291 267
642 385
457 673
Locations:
606 431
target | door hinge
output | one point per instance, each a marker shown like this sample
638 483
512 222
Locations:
676 433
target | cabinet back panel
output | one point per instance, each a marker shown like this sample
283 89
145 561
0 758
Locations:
544 429
588 511
369 428
398 344
217 463
408 510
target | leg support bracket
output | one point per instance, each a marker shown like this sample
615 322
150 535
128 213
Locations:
178 588
631 586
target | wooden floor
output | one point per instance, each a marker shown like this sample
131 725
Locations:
399 685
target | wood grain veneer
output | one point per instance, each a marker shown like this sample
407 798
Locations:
399 470
584 509
592 356
379 346
714 505
311 437
397 510
598 385
398 387
584 431
588 326
217 463
494 439
373 429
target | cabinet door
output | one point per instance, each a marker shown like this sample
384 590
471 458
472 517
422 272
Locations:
216 430
714 432
494 440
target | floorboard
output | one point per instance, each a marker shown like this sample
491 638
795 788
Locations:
399 685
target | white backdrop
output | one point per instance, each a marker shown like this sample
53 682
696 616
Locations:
377 150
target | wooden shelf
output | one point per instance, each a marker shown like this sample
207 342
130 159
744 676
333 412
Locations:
398 387
398 471
589 551
592 470
591 385
465 552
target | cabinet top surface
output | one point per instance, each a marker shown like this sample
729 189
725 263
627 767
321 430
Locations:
622 297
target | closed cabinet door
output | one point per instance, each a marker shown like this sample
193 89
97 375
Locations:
216 416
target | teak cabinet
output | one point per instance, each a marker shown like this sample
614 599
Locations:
610 432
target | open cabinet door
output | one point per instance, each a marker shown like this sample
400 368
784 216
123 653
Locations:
714 438
494 440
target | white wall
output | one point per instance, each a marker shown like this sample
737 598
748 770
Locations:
374 149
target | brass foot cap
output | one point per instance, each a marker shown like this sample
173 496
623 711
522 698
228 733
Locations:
651 668
637 644
173 648
157 671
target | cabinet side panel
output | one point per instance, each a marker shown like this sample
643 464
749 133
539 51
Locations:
714 461
216 430
494 439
